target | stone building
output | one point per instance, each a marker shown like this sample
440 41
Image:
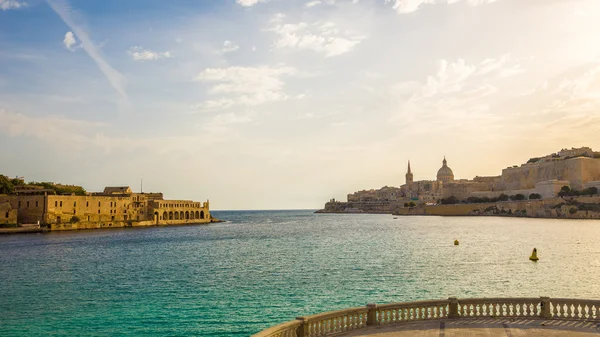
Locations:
8 215
578 168
115 207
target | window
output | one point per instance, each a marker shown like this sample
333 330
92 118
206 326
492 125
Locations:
28 204
98 205
87 204
88 218
36 204
56 204
61 204
7 215
98 211
111 204
74 211
19 204
112 218
74 203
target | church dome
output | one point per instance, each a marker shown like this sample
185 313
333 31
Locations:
445 173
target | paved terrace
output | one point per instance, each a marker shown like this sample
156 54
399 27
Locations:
510 317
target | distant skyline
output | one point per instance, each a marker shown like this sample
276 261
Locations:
284 104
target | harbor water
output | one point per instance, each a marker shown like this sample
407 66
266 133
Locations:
265 267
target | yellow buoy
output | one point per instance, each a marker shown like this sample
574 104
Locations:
533 256
456 242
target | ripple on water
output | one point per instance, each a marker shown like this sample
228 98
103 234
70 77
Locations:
263 268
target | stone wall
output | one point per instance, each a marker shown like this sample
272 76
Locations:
8 214
577 171
386 207
30 208
533 208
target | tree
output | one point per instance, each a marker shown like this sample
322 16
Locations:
6 187
572 210
519 197
412 204
406 204
533 196
503 197
564 191
449 201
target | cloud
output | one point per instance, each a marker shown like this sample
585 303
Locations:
250 3
576 96
138 53
323 38
68 15
52 128
229 47
458 94
248 86
312 3
69 41
409 6
11 4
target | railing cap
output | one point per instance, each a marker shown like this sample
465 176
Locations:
372 305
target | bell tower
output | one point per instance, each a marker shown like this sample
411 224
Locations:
409 176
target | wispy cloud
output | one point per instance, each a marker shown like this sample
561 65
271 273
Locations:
11 4
409 6
229 47
250 3
68 15
249 86
457 95
324 38
138 53
52 128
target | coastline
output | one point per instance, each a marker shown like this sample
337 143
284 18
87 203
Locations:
29 229
587 207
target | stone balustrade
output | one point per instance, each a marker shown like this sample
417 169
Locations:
335 322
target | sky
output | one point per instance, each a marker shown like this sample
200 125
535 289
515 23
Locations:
285 104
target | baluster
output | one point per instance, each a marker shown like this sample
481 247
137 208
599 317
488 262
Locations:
569 311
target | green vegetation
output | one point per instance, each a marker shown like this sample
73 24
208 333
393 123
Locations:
572 210
565 191
533 160
410 204
75 219
533 196
517 197
451 200
6 186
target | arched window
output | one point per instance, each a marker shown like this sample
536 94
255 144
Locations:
201 214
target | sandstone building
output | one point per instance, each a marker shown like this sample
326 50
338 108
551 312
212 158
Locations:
114 207
577 168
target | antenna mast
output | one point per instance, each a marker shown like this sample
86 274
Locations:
142 186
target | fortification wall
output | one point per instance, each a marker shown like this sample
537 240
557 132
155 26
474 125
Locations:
8 214
577 171
365 207
533 208
30 209
119 224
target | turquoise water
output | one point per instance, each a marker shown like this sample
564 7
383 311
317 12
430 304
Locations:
262 268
